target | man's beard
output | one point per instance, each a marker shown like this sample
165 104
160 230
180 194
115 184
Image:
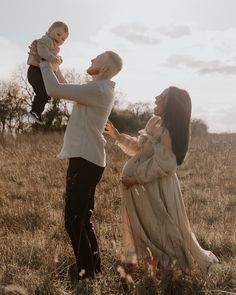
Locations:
93 71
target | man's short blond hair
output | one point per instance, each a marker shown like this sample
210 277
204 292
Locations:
116 61
60 24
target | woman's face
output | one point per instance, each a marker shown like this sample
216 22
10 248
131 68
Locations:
160 102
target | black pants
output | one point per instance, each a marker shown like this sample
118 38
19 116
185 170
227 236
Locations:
82 178
41 98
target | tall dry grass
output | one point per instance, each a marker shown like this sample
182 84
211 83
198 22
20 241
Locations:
35 251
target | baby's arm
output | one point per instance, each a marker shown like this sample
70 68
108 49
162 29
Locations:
43 46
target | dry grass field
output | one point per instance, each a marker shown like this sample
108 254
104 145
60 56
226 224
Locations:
35 252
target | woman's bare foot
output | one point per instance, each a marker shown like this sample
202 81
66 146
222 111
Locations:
151 267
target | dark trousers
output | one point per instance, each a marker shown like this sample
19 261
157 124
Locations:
82 178
36 81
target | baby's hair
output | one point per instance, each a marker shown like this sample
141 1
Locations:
60 24
116 60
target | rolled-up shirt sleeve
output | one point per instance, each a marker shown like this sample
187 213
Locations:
60 77
84 93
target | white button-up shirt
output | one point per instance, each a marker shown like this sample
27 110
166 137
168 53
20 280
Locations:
84 133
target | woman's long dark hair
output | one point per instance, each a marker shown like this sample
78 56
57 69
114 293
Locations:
177 121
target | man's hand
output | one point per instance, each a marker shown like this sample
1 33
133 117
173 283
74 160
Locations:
57 60
55 63
128 181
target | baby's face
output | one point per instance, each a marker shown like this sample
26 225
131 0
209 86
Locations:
58 34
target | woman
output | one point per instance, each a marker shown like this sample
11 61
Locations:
155 225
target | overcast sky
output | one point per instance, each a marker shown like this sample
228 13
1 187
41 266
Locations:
186 43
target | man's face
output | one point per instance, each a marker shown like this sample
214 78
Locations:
58 34
97 64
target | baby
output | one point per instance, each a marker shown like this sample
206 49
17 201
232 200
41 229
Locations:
46 48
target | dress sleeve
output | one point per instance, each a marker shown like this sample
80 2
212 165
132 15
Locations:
161 164
128 144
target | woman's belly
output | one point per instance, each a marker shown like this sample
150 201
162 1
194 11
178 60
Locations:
130 166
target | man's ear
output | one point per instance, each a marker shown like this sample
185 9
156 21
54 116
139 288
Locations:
104 68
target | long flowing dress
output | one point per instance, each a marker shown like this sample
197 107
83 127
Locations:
153 212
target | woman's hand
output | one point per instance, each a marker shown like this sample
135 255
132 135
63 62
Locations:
111 130
128 181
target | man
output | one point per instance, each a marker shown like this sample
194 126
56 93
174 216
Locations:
84 147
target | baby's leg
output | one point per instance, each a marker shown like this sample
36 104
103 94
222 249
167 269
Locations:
41 98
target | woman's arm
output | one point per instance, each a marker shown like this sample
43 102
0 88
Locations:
127 143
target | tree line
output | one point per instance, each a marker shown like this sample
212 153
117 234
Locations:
16 99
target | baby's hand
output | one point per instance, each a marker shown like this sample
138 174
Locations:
33 48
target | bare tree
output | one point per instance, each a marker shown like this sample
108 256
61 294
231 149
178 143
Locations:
20 77
56 114
12 107
199 128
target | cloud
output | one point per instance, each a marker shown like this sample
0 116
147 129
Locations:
218 119
228 115
122 29
202 67
223 119
174 30
139 33
183 60
138 38
189 61
136 33
227 70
